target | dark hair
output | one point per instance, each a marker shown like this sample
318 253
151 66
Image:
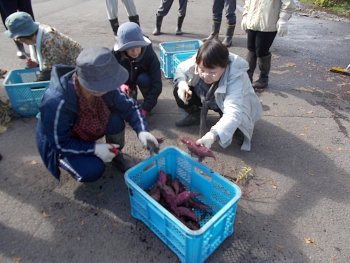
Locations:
213 54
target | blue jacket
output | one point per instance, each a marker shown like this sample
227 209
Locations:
147 62
59 112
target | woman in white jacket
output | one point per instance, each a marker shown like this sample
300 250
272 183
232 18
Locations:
218 80
262 20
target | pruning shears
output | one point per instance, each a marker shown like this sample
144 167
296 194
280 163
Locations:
115 150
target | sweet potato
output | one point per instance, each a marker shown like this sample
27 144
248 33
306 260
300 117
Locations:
199 150
169 179
184 211
198 205
175 184
162 177
182 198
156 195
168 193
192 225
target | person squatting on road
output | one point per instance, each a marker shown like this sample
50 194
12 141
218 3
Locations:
230 8
47 46
9 7
218 80
81 105
135 53
164 9
262 21
112 13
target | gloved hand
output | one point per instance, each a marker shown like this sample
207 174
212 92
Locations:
244 24
102 151
282 27
207 140
184 91
149 142
144 112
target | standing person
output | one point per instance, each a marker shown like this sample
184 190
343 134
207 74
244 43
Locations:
216 79
112 13
230 8
8 7
82 105
47 46
262 21
163 10
135 53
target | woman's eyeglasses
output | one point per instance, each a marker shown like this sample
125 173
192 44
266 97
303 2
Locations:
203 74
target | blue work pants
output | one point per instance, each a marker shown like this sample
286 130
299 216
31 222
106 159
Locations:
230 8
165 6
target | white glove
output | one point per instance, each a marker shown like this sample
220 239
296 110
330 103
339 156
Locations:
244 24
282 27
146 136
207 140
184 91
102 151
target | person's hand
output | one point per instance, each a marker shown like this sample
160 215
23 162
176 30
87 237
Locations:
244 24
207 140
103 151
149 142
282 27
144 112
184 92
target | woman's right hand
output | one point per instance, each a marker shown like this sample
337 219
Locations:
103 151
184 91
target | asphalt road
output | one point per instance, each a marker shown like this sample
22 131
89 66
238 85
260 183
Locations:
299 157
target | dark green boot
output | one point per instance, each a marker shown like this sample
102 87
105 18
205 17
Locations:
251 59
229 34
264 66
159 21
214 31
192 118
180 20
134 19
115 25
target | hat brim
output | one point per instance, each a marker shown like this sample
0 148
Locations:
15 35
133 44
105 85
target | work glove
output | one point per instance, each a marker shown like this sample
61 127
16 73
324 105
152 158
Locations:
282 27
184 92
102 151
244 24
149 142
207 140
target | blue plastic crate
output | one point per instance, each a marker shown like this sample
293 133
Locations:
168 49
218 192
178 58
24 94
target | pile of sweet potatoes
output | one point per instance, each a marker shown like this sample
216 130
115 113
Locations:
173 196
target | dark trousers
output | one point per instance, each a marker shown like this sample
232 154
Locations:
165 6
260 42
230 8
144 82
88 168
8 7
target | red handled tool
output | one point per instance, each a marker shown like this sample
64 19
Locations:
115 150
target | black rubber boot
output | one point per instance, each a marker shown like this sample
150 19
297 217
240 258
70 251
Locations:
134 19
192 118
229 34
214 30
122 162
159 21
21 53
264 66
115 25
251 59
180 20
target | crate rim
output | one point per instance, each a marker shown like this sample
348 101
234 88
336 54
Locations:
6 80
214 219
180 41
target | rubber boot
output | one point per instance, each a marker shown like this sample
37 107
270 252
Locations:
193 117
251 59
264 66
134 19
21 53
120 161
180 20
215 29
229 34
159 21
115 25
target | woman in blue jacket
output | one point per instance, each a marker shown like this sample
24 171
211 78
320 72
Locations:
135 53
81 105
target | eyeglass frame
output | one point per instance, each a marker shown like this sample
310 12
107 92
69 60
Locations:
203 74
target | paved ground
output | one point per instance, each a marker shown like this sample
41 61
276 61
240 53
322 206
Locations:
299 156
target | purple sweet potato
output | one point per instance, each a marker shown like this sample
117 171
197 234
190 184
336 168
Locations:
169 179
156 195
175 184
184 211
197 149
162 177
192 225
168 193
182 198
199 205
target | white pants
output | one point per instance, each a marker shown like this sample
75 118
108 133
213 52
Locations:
112 8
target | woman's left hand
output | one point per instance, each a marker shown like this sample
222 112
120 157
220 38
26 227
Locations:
207 140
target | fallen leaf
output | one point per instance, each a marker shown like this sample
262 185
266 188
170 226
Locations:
308 240
311 174
82 223
101 194
241 222
309 112
114 224
333 257
78 238
265 223
306 128
297 195
279 246
105 226
329 148
45 215
274 186
34 162
17 260
69 235
61 219
279 123
340 149
290 219
337 248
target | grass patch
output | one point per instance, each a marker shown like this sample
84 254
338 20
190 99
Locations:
339 7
